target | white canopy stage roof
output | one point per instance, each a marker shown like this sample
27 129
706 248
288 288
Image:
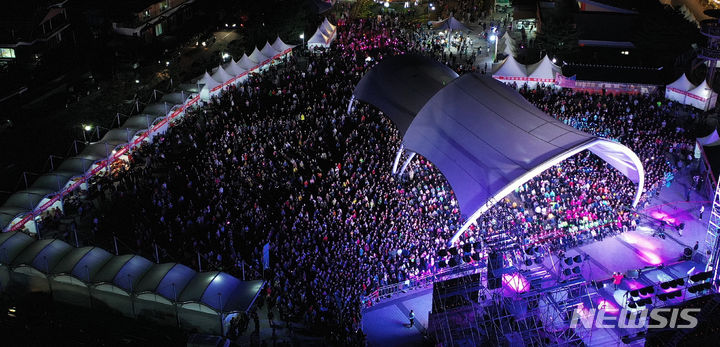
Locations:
233 68
451 24
483 136
677 90
324 35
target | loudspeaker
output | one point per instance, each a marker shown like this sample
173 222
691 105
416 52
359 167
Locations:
577 259
495 261
453 251
467 248
528 262
494 283
442 252
568 261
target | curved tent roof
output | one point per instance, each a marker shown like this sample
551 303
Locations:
401 85
488 140
50 183
83 263
119 136
221 291
682 83
141 121
703 90
12 243
167 280
269 51
43 255
158 108
189 87
23 200
76 166
124 271
97 151
177 98
281 46
319 38
246 63
221 75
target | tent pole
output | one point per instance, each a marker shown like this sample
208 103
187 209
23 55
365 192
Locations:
397 158
407 162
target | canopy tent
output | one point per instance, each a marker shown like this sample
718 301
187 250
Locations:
246 63
702 97
543 71
189 88
711 140
451 24
158 108
401 85
510 70
177 98
270 52
678 90
233 68
281 46
488 140
260 58
128 284
324 35
142 121
209 85
221 75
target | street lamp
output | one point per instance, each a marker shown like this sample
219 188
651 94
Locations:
302 36
493 38
85 128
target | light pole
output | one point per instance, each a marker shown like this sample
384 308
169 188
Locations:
85 128
493 38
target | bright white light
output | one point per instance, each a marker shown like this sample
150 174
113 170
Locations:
167 63
302 36
554 60
113 152
225 55
234 25
137 81
204 43
387 4
227 25
87 127
492 38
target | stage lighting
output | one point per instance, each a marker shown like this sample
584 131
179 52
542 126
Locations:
466 259
662 297
529 251
539 260
478 246
665 285
568 261
679 282
467 248
647 290
453 251
643 302
567 272
452 263
632 304
698 277
635 293
528 262
442 264
442 252
688 252
576 270
475 256
577 259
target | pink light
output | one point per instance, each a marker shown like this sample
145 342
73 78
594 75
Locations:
607 306
650 257
660 215
516 282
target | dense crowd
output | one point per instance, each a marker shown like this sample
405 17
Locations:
277 160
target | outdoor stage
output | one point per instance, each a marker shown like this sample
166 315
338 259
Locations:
386 322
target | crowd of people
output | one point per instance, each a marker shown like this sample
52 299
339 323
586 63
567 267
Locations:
278 161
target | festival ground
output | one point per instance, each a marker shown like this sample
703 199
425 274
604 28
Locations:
386 323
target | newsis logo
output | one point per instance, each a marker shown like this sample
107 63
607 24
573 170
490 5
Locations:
660 318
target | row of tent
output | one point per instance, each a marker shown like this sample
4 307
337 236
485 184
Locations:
24 207
130 285
323 36
683 91
509 70
237 71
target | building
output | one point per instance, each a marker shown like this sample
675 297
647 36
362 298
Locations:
32 34
148 19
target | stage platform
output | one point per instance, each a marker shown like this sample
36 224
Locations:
386 323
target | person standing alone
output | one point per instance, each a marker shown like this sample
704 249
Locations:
412 319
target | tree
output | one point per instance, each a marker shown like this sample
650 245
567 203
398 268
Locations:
558 38
362 9
662 33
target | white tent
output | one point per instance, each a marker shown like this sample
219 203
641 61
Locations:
281 46
678 90
259 57
510 70
233 68
208 85
543 71
246 63
270 52
221 75
324 35
702 97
